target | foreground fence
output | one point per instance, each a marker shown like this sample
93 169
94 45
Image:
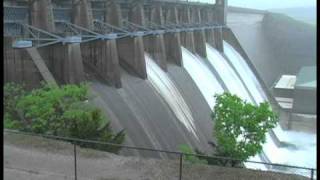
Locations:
76 160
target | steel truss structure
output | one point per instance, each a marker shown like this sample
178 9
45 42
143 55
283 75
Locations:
16 18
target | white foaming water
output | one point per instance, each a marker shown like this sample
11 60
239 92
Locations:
305 152
167 89
245 72
226 73
202 76
235 86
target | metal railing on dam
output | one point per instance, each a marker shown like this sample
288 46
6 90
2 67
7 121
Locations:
180 155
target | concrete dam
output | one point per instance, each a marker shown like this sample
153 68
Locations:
152 66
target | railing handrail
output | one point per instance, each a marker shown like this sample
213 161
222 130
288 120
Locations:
150 149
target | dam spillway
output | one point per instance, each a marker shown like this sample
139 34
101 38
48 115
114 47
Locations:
162 83
202 76
227 74
154 66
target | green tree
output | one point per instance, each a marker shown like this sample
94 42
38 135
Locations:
61 111
240 130
240 127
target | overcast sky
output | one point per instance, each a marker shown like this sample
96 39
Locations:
271 4
267 4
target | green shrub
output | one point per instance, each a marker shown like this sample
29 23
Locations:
12 116
61 111
191 158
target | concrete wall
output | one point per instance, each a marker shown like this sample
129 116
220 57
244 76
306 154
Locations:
155 44
292 42
271 43
103 57
199 35
82 15
173 40
131 49
100 55
41 15
305 101
18 66
64 62
132 55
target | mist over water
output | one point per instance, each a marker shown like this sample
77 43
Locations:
202 76
271 4
167 89
263 5
304 153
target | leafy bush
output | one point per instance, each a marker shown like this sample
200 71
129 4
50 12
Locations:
43 109
191 158
11 96
61 111
241 127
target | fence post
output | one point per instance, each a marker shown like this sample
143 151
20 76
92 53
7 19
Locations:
312 174
180 167
75 160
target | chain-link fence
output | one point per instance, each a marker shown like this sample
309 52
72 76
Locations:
43 157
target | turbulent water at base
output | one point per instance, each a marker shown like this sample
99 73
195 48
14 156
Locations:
202 76
227 74
167 89
304 152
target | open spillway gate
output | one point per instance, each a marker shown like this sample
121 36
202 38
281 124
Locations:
67 35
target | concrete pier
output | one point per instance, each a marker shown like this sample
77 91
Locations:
199 35
218 39
64 62
187 38
113 14
221 19
105 56
173 40
131 49
207 15
99 55
69 67
132 55
136 14
155 44
102 57
41 15
18 66
82 15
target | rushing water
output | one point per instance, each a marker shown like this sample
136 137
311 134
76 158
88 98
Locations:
167 89
303 151
245 72
202 76
227 74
